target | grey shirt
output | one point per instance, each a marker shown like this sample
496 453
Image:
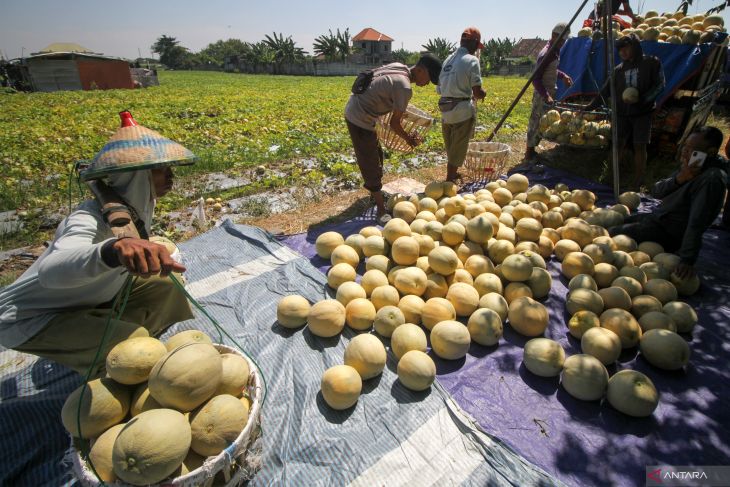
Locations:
389 90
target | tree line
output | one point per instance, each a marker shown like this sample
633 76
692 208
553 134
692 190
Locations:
279 49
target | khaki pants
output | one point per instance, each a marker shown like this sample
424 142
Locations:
456 140
73 338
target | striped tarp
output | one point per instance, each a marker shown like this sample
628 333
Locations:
391 437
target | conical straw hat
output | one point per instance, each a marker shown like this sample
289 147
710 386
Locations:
134 148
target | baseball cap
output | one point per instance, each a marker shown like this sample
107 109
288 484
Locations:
472 33
560 27
432 65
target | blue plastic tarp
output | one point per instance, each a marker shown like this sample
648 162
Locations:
583 59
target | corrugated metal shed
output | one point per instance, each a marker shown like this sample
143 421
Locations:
54 75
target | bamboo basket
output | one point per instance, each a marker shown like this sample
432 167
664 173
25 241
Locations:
486 161
414 120
236 463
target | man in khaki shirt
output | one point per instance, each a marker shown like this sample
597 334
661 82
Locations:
389 91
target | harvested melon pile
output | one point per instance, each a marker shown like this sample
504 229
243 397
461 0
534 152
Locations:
163 409
672 28
456 268
566 127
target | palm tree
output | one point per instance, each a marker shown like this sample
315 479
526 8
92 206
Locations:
285 49
172 54
344 44
684 6
440 47
327 45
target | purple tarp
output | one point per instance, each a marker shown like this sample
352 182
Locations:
590 443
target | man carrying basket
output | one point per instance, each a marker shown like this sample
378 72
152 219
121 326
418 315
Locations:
376 93
459 83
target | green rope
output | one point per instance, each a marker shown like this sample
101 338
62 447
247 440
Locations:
221 331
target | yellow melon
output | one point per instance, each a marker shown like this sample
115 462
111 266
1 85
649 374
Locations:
496 303
517 183
634 272
515 290
478 264
500 250
644 303
375 245
576 263
292 311
396 228
528 229
405 210
360 314
582 281
640 258
517 268
464 298
384 296
378 262
366 354
480 229
581 299
436 286
453 233
411 280
528 317
339 274
625 243
578 231
347 292
599 253
545 246
584 198
570 209
661 289
187 336
151 446
371 231
623 324
656 320
326 318
416 370
130 361
552 219
584 377
373 279
468 249
425 244
485 327
217 424
175 384
664 349
356 241
341 387
502 196
387 319
345 254
564 247
235 375
435 311
682 314
615 297
686 287
411 306
601 343
142 401
434 190
581 322
506 233
460 275
543 357
450 340
629 284
327 242
103 403
654 270
632 393
540 282
622 259
408 337
100 454
443 260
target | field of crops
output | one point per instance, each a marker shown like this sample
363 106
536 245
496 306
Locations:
231 121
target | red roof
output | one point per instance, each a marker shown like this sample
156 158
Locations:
370 34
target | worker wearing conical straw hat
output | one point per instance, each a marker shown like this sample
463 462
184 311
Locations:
60 307
460 83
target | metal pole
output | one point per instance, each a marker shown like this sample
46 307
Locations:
614 125
532 76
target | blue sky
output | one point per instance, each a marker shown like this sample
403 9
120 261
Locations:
119 28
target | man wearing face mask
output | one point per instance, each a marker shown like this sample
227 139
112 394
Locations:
691 199
59 308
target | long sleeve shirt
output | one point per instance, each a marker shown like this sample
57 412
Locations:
542 74
688 209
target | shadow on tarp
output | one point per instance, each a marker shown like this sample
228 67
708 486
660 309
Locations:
590 443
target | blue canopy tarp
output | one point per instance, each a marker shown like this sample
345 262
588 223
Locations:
583 59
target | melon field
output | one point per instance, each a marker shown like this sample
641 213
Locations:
232 122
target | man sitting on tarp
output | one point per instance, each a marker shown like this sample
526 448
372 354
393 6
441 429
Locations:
639 81
459 83
691 200
545 87
60 307
379 92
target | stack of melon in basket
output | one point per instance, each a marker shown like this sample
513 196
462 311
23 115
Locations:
177 412
458 267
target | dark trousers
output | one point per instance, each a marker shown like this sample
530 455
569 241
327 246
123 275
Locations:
369 156
644 227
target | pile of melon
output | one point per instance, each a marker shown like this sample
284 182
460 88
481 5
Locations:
673 28
454 268
582 130
162 409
